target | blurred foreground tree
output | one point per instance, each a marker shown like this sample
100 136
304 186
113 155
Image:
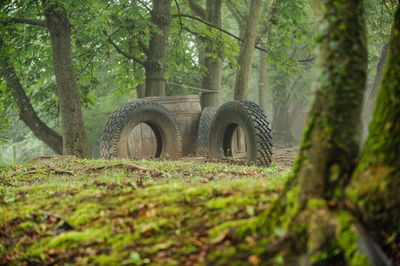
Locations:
323 226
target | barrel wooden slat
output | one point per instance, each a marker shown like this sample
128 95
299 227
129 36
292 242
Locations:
187 111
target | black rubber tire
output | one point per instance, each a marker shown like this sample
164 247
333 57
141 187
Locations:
123 120
257 131
206 119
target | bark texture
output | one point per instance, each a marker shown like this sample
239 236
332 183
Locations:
371 97
320 230
246 51
157 52
376 184
331 141
74 136
211 80
26 112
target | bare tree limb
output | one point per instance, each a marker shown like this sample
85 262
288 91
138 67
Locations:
122 52
215 27
235 12
180 24
34 22
144 5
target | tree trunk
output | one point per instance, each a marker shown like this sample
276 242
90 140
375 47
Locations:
371 97
320 230
26 112
246 51
157 53
211 81
74 136
376 188
281 122
140 91
262 82
331 140
281 92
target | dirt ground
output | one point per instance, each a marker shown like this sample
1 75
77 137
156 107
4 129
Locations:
284 157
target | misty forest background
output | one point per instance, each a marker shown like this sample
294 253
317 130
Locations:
109 40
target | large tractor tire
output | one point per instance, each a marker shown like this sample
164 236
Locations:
206 119
122 121
256 128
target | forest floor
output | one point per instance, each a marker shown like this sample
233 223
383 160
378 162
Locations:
60 210
64 210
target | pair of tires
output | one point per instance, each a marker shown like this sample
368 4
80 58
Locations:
217 131
215 134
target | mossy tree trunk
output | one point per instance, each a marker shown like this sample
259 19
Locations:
320 230
370 99
331 141
375 188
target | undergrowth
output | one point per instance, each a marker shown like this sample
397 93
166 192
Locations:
71 211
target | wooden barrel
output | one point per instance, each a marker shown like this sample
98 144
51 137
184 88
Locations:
187 111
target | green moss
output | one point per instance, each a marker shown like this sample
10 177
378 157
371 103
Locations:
293 203
112 219
313 204
237 201
84 213
347 238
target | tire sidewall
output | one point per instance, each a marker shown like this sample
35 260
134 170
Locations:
154 119
123 120
232 113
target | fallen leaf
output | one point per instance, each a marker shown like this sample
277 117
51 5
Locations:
254 260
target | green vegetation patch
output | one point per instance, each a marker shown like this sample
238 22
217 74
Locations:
66 210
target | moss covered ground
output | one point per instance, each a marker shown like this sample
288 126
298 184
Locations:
69 211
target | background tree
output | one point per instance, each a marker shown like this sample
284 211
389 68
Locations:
211 80
26 111
248 29
287 40
156 51
74 137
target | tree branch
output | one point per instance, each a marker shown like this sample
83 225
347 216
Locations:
236 13
34 22
215 27
144 5
122 52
